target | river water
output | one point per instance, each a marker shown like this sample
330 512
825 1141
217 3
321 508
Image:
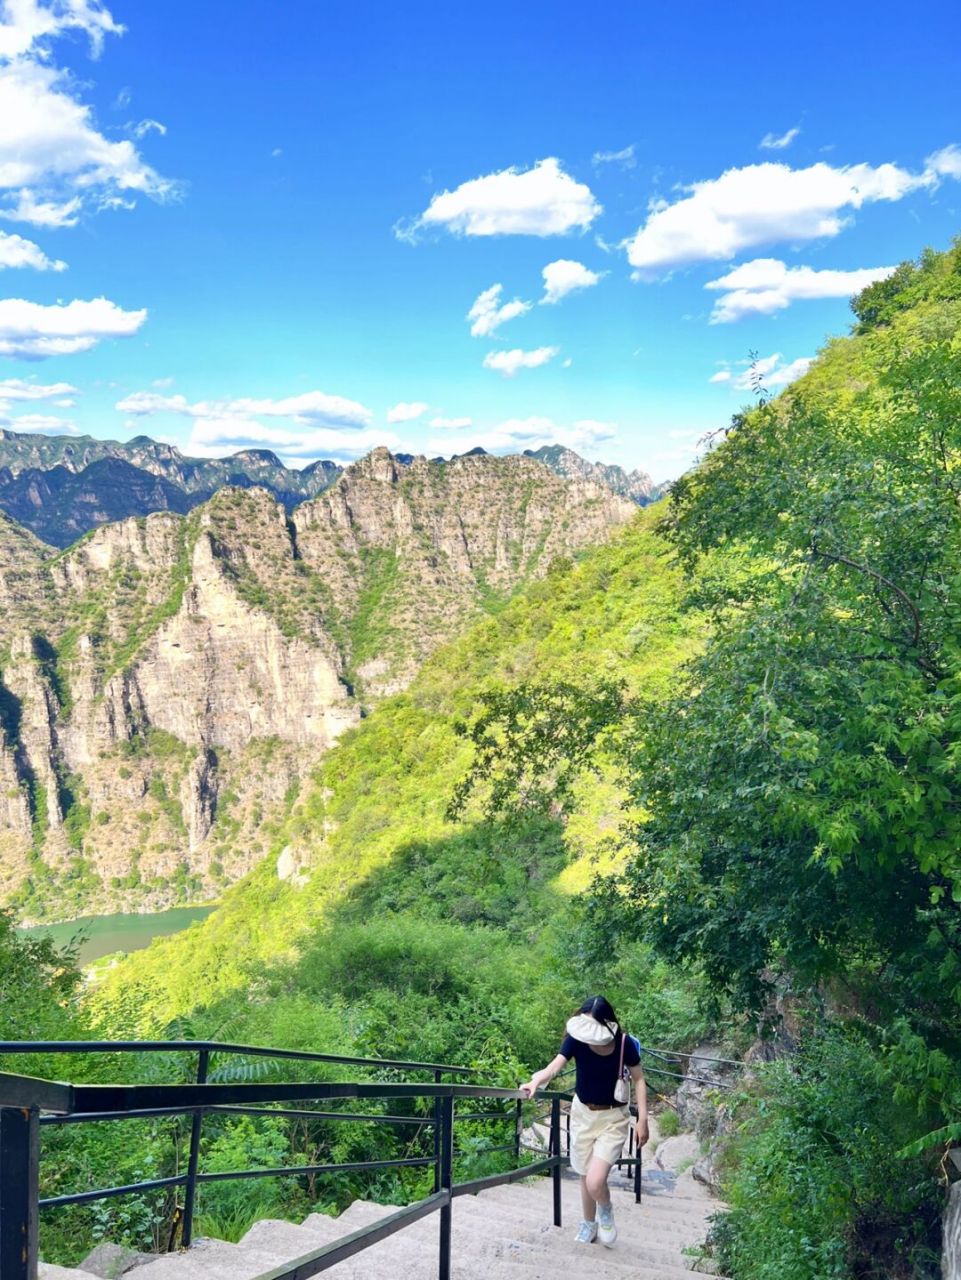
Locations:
102 935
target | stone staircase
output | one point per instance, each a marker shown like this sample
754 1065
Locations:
501 1234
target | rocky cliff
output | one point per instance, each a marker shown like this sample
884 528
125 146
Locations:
166 682
636 485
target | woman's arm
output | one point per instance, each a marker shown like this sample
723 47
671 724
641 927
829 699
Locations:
640 1093
540 1078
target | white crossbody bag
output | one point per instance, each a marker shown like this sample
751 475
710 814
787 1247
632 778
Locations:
622 1090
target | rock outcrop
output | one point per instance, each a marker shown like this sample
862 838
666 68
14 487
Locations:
165 682
636 485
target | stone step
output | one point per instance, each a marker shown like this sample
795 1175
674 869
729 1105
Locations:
288 1239
493 1242
208 1260
503 1233
521 1225
665 1205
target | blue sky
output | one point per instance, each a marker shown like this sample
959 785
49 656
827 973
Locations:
288 212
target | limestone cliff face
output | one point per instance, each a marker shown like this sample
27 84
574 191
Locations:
166 682
431 542
636 485
220 672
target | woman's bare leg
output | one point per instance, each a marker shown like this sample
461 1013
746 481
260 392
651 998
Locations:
594 1188
587 1202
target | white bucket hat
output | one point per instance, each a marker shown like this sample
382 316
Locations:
588 1030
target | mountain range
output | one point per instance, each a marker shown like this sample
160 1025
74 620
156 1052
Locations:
167 681
61 487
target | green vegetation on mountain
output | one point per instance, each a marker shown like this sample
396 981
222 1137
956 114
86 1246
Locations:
799 784
233 627
370 841
710 768
399 931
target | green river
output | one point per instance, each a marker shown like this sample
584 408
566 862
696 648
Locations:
102 935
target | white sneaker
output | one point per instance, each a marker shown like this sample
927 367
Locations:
606 1230
586 1233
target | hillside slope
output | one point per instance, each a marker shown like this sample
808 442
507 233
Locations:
167 681
370 838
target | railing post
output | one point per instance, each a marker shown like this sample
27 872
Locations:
637 1175
437 1144
19 1192
518 1129
555 1146
446 1181
193 1159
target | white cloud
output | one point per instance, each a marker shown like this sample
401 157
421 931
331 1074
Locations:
17 252
32 331
764 203
452 424
517 434
722 375
18 389
564 276
310 408
508 362
213 437
766 285
54 161
41 213
318 424
946 163
45 424
24 24
778 141
679 457
771 370
407 411
624 157
144 403
143 127
162 382
488 313
540 201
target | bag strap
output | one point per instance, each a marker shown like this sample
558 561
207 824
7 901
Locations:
620 1070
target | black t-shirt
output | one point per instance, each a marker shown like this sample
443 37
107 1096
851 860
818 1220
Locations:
597 1073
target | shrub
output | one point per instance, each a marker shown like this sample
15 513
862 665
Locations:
812 1177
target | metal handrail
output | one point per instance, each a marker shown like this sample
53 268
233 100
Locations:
668 1054
216 1046
22 1099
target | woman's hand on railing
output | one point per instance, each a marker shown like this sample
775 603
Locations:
530 1088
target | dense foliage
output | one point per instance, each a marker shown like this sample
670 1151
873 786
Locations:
798 788
810 1179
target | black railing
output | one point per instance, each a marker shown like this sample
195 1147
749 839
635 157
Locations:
28 1104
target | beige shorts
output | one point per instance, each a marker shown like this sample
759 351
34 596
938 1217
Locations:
597 1133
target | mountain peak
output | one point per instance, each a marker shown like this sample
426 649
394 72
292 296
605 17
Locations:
636 485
